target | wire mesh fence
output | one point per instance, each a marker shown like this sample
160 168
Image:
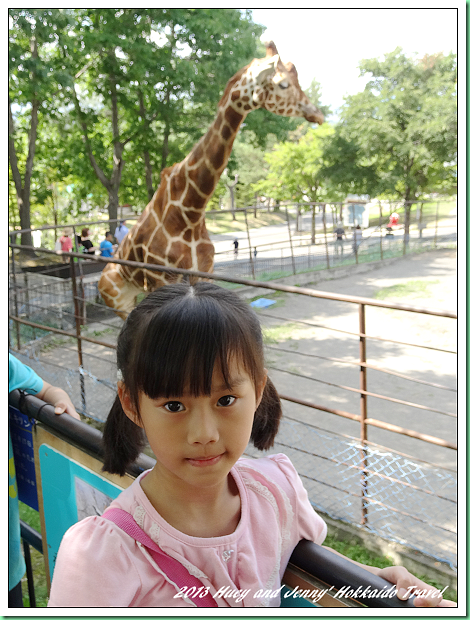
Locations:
407 501
404 499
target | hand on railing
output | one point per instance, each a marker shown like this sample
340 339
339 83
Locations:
369 586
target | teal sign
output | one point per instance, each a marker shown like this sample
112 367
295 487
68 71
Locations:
70 493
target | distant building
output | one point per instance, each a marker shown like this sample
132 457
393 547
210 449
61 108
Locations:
356 212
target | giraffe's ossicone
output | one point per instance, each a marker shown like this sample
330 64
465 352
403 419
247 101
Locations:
171 230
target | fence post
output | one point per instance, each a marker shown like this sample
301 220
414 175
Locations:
363 409
15 297
249 246
380 230
435 232
324 232
78 324
313 224
29 574
290 241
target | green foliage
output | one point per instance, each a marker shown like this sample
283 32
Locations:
296 168
397 138
412 288
313 92
127 92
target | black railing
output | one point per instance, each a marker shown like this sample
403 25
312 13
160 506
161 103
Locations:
30 538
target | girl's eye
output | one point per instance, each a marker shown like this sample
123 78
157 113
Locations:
174 406
226 401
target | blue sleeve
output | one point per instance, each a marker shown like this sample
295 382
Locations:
22 377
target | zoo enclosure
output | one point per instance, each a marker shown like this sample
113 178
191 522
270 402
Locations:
361 482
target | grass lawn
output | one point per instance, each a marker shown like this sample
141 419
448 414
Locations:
429 212
221 222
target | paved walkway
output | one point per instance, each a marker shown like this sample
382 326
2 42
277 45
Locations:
430 281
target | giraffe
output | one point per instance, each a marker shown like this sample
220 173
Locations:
171 230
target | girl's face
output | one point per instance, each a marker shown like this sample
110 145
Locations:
197 440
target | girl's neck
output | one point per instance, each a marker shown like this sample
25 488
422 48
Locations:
203 513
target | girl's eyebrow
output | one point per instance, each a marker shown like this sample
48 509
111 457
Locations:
234 383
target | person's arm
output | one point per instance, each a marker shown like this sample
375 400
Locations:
406 584
59 398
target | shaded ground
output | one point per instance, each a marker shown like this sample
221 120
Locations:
428 280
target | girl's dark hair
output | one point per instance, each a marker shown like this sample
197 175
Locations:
85 232
170 344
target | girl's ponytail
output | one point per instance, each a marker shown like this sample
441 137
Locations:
267 418
122 440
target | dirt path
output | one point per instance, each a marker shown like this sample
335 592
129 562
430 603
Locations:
426 280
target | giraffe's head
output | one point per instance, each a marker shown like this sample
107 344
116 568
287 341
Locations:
276 87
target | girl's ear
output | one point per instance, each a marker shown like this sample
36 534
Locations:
127 405
260 388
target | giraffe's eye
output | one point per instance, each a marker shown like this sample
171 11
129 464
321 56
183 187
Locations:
284 84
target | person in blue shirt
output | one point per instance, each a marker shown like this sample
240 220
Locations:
106 246
22 377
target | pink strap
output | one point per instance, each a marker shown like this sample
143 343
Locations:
178 573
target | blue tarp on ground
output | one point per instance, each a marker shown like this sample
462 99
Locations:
262 302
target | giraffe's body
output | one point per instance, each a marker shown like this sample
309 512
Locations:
171 230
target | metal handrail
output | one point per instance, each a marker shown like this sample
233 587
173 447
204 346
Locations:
361 302
275 287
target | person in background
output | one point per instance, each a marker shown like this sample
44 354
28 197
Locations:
22 377
340 233
106 246
121 231
235 247
86 242
357 238
66 244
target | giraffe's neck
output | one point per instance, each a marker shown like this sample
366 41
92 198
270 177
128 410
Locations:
198 174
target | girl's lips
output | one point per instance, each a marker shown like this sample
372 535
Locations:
205 461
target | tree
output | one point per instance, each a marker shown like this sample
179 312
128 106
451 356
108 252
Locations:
158 74
32 68
398 138
296 171
295 168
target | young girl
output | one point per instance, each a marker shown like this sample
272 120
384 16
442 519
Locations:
191 375
66 244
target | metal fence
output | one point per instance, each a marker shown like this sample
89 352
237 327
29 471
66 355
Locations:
400 497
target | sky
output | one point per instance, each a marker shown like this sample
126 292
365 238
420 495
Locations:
328 43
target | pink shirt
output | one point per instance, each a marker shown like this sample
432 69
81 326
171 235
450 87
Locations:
66 244
98 565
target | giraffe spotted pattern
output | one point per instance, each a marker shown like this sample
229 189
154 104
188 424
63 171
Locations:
171 230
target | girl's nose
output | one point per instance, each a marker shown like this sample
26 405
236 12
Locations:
203 426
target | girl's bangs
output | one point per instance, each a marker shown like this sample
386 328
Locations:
180 349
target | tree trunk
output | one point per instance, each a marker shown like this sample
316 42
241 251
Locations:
408 204
166 135
148 165
113 194
165 149
407 223
297 220
232 197
112 184
23 188
148 175
313 224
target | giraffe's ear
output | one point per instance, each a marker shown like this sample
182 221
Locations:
271 49
264 69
